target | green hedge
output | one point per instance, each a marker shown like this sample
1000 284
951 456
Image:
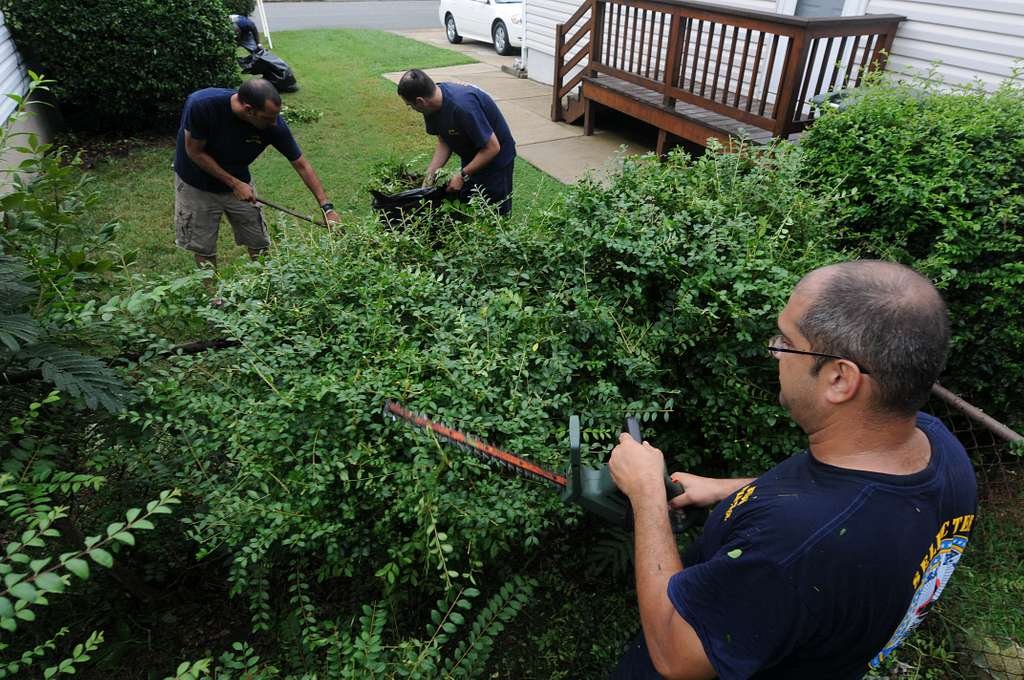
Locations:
935 179
653 295
244 7
125 65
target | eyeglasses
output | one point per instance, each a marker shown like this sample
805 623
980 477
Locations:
775 350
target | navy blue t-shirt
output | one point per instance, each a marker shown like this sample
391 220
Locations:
248 36
466 120
814 571
232 142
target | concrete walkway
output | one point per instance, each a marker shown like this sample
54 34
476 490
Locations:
558 149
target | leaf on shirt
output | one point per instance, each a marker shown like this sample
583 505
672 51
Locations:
734 553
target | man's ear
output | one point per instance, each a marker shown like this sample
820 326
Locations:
845 381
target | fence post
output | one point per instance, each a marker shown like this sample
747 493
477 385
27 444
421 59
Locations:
789 86
596 35
673 54
557 113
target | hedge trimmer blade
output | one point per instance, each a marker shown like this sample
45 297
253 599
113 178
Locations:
471 444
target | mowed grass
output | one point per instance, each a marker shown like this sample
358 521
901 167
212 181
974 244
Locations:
364 122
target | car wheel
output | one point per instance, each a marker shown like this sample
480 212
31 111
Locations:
500 35
450 30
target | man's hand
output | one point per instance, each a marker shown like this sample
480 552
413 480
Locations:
456 183
243 191
332 218
429 178
703 491
638 469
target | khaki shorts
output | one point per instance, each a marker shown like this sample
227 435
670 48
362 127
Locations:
197 219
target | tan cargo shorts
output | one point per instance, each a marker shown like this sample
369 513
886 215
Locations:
197 219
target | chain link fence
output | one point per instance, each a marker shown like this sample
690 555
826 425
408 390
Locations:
950 645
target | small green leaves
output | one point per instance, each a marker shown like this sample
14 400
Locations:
78 567
23 591
124 537
101 557
50 582
734 553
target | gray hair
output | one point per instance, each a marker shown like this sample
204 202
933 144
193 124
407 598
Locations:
887 318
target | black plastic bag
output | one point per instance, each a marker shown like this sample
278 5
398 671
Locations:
272 67
394 208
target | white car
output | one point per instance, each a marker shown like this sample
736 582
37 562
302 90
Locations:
495 21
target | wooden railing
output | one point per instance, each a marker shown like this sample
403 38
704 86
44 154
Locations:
755 67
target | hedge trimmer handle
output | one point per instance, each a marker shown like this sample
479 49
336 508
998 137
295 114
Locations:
672 489
681 520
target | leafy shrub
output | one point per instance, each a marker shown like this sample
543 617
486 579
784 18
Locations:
125 65
300 114
655 292
244 7
935 179
53 261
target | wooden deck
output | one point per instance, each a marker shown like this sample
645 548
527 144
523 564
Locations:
687 121
700 71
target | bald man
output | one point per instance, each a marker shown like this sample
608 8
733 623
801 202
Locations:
823 565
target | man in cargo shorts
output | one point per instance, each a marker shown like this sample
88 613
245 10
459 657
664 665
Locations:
221 133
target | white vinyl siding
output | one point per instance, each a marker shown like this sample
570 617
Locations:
973 39
13 77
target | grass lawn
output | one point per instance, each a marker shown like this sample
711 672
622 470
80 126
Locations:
364 122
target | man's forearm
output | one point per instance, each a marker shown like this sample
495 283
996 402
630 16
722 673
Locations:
482 159
441 155
657 559
311 180
673 645
732 485
211 167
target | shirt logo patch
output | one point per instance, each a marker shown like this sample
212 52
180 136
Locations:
254 139
741 497
452 132
930 580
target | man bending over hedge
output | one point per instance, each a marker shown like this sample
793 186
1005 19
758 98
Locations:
465 120
221 133
823 565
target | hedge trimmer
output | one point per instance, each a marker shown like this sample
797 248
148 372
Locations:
589 487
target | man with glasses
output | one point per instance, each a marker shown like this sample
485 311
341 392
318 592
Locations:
823 565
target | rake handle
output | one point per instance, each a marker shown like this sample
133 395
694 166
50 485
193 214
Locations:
290 212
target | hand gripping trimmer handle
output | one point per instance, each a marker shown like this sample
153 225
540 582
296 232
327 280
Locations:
594 490
681 520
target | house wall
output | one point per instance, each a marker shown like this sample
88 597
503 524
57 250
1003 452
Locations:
974 39
14 80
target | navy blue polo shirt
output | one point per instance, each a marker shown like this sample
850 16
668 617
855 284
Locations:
232 142
814 571
466 120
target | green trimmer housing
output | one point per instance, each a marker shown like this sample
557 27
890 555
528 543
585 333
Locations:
593 489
